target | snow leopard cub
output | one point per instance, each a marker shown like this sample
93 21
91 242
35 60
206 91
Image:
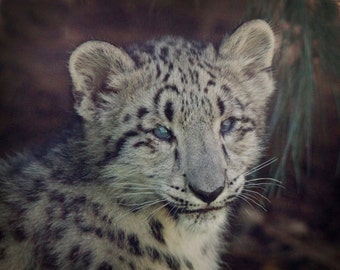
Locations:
144 179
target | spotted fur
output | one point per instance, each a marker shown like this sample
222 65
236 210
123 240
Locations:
145 178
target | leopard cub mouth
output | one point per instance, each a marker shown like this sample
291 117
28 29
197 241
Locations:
183 210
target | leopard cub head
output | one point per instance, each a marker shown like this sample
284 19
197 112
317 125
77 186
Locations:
175 124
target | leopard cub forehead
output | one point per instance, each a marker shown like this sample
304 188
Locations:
185 79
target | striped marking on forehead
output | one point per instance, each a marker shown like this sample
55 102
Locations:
166 89
166 108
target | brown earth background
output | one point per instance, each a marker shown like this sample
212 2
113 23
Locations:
299 230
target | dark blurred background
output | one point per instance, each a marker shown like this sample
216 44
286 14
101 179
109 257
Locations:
300 227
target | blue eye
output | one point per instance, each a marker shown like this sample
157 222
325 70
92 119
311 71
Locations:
162 133
228 125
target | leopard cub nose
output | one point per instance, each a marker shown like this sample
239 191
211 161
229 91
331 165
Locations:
206 196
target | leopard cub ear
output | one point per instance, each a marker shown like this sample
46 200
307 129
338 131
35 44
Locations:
250 46
92 66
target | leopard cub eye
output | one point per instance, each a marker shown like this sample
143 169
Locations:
228 125
162 133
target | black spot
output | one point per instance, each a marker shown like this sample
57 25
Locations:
189 264
57 233
111 235
166 77
176 153
105 218
132 266
244 131
121 238
153 253
19 233
86 228
172 262
99 232
158 71
134 245
57 196
39 184
206 90
142 112
49 260
127 118
164 53
86 258
105 266
96 208
118 147
220 105
224 150
211 83
169 111
130 133
80 259
157 230
248 120
141 128
211 75
139 144
225 88
194 76
73 206
173 88
32 196
79 200
74 253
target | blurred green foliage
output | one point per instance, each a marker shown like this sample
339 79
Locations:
309 38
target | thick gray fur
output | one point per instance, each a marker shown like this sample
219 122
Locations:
144 180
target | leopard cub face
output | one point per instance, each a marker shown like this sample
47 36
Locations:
175 124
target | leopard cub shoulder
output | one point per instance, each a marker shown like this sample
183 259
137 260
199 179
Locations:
166 133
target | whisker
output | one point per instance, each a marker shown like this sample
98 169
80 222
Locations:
132 194
260 196
245 199
264 178
173 211
124 184
261 166
263 186
249 197
156 210
139 207
263 183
